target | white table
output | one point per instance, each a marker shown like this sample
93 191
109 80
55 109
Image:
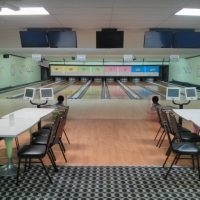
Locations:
17 122
192 115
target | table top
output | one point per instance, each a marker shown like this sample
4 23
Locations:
30 112
21 120
13 127
192 115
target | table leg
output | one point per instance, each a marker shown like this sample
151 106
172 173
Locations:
9 169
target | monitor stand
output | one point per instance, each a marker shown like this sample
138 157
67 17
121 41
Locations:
38 106
180 107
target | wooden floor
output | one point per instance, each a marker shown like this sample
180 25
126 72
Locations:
106 132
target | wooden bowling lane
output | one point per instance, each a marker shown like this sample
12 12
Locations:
140 91
94 91
70 90
155 87
116 92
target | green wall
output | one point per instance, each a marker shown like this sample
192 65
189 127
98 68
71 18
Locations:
17 71
186 70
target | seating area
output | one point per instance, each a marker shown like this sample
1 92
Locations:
182 142
92 144
42 141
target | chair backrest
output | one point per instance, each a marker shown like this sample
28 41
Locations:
166 129
174 126
158 108
60 128
66 110
54 130
165 119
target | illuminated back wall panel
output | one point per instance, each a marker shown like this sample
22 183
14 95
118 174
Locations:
145 70
132 71
97 70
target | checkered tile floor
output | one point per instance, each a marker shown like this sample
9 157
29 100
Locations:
103 183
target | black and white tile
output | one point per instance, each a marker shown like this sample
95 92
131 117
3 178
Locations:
103 183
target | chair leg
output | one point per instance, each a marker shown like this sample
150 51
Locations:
63 147
46 171
198 166
157 133
17 143
166 159
52 161
63 152
25 164
52 154
178 157
193 163
168 171
160 138
168 151
18 171
66 136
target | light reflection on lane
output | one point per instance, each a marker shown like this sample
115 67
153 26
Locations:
94 91
116 92
142 92
70 90
157 88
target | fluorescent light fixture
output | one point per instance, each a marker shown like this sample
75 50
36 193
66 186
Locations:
189 12
25 11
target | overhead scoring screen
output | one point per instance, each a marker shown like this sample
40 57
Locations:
29 93
191 93
46 94
173 93
34 39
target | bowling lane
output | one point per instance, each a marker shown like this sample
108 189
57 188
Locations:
70 90
140 91
116 92
94 91
20 91
155 88
57 87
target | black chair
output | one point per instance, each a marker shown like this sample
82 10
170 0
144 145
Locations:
40 138
49 125
34 151
58 136
180 148
184 134
177 131
164 118
160 109
174 126
161 125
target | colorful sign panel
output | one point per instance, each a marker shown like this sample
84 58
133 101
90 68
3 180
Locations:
134 71
97 70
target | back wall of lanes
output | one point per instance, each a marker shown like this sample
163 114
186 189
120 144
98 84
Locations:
133 71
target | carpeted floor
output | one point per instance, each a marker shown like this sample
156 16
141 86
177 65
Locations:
103 183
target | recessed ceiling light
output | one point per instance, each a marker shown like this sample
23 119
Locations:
189 12
25 11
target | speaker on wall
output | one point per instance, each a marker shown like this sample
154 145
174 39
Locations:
5 55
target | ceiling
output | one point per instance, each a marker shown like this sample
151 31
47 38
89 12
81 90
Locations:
97 14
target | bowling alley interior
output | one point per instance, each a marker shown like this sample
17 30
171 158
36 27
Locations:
99 99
